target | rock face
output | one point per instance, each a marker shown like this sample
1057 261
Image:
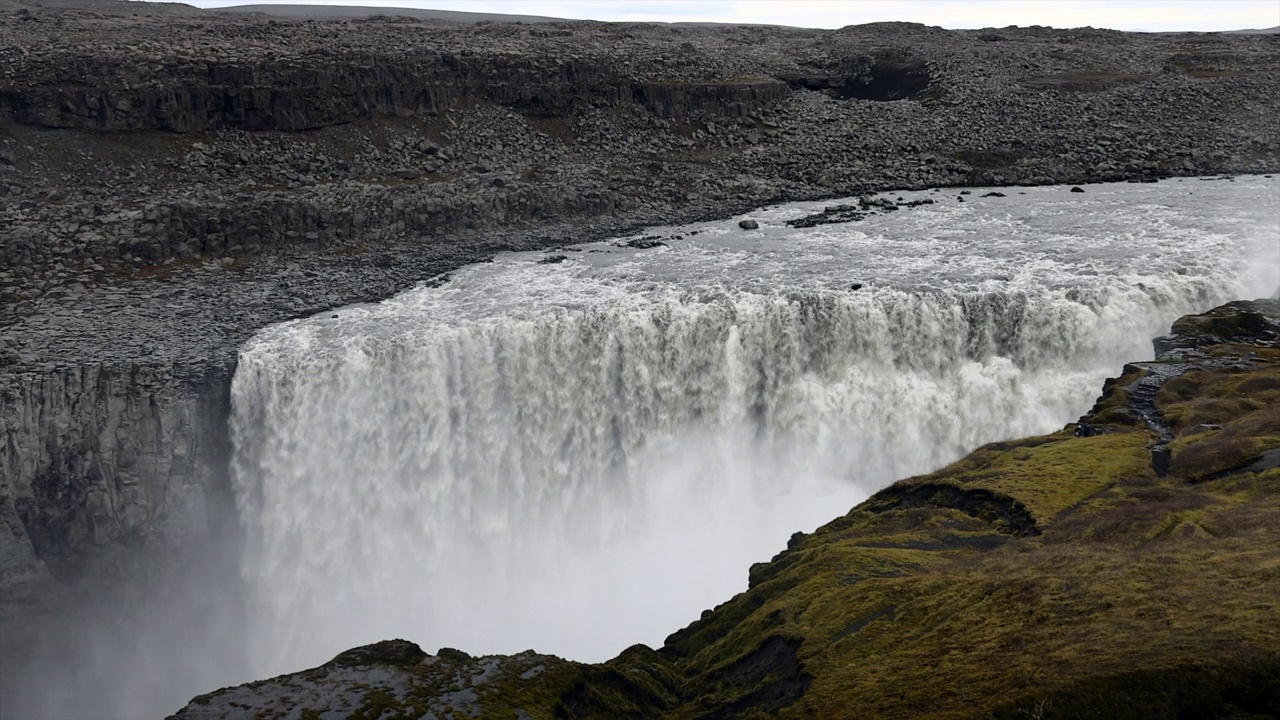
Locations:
112 452
1097 586
172 180
114 488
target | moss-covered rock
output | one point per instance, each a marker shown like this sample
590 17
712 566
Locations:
1061 576
1251 321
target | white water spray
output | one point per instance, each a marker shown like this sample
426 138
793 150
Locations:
580 456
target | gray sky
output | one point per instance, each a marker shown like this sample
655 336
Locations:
1150 15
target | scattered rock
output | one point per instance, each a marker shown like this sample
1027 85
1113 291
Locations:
748 224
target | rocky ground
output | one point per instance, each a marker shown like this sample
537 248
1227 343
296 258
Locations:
374 152
172 180
1078 574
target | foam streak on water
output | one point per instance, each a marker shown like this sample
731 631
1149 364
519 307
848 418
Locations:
580 456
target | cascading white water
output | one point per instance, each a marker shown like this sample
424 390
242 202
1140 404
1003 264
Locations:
580 456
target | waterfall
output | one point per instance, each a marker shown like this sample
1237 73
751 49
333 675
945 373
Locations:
581 456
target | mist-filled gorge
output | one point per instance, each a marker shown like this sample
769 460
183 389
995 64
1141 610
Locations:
581 449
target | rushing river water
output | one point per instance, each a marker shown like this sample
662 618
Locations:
581 455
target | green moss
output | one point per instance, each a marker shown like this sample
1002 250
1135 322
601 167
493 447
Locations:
1224 420
1048 474
392 653
1112 407
1226 323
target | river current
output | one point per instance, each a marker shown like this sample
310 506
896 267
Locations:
580 455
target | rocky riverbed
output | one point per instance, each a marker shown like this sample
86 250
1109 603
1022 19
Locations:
172 180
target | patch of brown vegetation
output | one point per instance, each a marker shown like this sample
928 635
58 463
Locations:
1087 80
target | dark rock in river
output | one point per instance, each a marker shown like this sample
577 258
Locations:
644 243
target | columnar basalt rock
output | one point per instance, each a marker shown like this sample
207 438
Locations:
112 452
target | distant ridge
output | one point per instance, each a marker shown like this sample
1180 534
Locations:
355 12
1263 31
105 7
352 12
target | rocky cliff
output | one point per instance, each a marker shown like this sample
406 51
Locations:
1076 574
122 148
172 180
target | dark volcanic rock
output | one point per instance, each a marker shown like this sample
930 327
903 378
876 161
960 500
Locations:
1256 321
644 243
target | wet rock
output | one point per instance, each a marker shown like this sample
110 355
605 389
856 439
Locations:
1245 321
748 224
1077 189
645 243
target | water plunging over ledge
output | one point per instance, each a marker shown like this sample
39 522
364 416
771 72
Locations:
580 455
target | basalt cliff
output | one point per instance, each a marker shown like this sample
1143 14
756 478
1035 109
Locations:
172 180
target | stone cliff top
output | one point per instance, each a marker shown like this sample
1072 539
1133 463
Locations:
111 45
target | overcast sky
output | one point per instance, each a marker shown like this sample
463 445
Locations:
1150 15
